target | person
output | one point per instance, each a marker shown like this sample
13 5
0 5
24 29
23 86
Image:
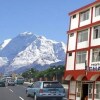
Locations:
86 98
30 81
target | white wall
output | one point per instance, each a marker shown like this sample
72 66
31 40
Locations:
74 22
70 62
72 42
80 66
95 42
82 45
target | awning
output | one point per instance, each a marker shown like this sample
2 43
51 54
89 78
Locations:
93 75
75 75
82 75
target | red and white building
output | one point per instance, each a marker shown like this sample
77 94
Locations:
83 53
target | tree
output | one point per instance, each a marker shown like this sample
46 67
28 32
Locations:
49 73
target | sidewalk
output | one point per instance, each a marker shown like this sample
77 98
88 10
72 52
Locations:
28 83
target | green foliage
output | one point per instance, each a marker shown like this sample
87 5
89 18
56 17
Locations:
49 73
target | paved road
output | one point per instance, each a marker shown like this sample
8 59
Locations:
15 93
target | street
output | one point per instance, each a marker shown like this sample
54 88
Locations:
15 93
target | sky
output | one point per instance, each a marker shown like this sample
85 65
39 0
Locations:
47 18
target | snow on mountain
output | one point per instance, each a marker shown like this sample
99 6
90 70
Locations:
27 50
4 43
17 45
3 61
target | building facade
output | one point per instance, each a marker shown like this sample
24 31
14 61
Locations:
83 53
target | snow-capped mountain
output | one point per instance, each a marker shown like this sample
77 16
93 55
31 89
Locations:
4 43
28 50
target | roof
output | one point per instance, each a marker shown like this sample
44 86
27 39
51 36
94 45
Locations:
84 7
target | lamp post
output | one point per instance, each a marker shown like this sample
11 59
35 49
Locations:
55 68
30 75
86 67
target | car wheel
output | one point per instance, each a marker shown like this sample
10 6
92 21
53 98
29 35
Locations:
35 97
59 98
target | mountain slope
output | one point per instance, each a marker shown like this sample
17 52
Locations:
4 43
28 50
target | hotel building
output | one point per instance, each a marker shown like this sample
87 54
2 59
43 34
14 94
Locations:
83 53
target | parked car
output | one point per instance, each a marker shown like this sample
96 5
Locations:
46 89
19 80
11 83
2 83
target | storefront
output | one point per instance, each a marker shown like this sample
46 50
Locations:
83 85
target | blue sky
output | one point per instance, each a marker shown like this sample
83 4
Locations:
48 18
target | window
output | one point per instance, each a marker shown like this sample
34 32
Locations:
72 34
97 10
84 15
90 90
37 85
79 89
96 33
74 16
72 87
70 54
83 36
52 85
96 55
32 85
97 91
81 57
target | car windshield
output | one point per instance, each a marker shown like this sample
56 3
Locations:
20 79
52 85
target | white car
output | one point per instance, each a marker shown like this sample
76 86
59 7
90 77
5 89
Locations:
11 83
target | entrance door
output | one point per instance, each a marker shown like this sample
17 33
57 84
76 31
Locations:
87 91
84 92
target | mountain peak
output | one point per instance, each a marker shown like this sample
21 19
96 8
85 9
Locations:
26 34
29 50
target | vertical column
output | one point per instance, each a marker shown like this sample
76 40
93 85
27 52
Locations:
75 51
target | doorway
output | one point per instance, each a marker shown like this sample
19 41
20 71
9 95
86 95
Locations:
84 92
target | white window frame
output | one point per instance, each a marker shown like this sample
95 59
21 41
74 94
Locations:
83 36
84 15
96 55
97 91
81 57
90 90
79 89
96 32
97 10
